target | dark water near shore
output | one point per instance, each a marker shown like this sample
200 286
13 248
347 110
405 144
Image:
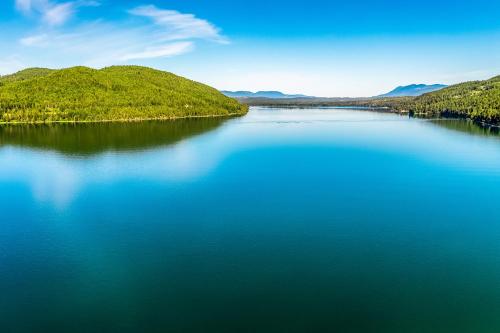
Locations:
317 220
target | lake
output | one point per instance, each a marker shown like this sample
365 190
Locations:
284 220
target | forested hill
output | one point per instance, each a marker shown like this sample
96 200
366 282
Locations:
26 74
115 93
479 100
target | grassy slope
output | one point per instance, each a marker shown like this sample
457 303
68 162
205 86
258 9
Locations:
113 93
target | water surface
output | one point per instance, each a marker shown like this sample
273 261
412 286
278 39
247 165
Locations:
312 220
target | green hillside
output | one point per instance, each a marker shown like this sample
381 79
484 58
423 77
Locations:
26 74
478 100
119 93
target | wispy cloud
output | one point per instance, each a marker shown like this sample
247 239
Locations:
59 14
167 50
179 26
34 40
24 6
164 33
52 13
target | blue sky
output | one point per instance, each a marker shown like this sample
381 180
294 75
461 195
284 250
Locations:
323 48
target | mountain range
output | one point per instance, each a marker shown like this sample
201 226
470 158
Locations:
413 90
260 94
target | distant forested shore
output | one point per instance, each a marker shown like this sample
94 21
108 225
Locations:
476 100
118 93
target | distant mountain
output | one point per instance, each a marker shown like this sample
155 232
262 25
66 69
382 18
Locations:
413 90
260 94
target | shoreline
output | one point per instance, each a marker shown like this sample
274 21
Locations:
446 115
132 120
386 109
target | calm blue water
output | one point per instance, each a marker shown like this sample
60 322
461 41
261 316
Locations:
321 220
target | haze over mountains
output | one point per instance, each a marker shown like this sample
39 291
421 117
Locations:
412 90
260 94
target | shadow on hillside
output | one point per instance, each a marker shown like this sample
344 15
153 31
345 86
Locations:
96 138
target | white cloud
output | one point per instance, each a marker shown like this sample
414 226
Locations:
179 26
59 14
88 46
167 50
35 40
51 12
168 34
23 5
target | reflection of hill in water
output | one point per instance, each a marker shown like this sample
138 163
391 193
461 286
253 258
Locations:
88 139
466 126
